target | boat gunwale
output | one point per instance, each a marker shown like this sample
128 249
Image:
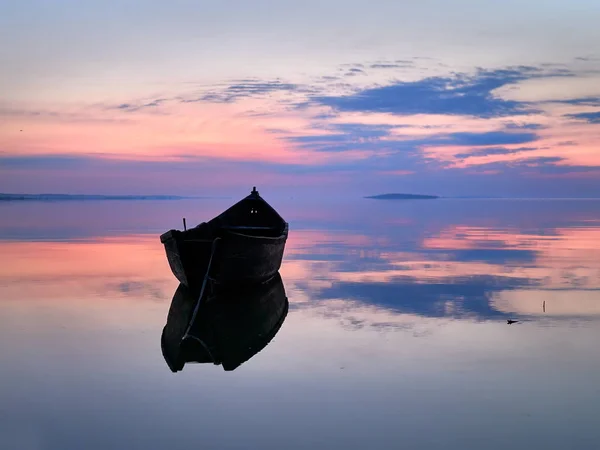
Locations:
180 238
283 235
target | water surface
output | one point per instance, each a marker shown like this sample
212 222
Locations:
396 335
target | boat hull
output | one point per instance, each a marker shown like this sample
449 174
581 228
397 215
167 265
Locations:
243 244
188 259
248 259
237 257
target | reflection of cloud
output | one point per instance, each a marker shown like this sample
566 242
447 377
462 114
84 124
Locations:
459 271
443 264
555 252
138 289
131 266
459 297
552 303
357 315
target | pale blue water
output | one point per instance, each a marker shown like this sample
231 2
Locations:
396 335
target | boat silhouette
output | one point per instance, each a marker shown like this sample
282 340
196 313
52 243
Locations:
244 244
227 326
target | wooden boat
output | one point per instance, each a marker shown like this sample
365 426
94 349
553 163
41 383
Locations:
244 244
226 327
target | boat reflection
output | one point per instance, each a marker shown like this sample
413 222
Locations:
225 327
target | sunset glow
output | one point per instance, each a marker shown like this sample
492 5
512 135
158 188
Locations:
425 105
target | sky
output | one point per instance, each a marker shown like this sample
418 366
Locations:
340 97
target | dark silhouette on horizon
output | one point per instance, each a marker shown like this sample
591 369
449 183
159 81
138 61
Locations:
402 197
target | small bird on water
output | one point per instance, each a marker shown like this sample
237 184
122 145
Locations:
510 321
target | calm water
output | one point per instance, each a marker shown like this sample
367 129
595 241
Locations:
396 335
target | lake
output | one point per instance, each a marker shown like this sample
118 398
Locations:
396 335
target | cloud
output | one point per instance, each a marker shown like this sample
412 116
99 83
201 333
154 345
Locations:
130 107
327 79
339 127
486 138
503 256
72 116
228 93
378 137
581 101
243 89
587 58
345 137
394 64
488 151
539 163
27 113
390 65
524 126
548 168
591 117
138 289
460 94
355 71
364 130
45 161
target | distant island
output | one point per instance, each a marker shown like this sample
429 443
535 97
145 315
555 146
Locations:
65 197
402 197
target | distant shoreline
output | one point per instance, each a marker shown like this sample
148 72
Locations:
402 197
467 197
5 198
86 197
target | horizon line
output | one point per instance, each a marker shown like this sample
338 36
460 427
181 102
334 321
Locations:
63 196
